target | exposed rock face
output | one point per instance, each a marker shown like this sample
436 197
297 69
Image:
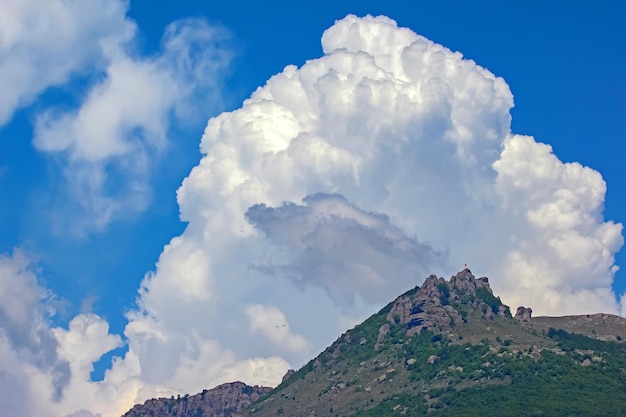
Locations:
433 305
425 310
222 401
383 332
287 375
465 281
524 315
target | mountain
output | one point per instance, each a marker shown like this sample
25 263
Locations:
451 348
221 401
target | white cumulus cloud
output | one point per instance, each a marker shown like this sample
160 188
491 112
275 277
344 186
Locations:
25 310
271 324
416 141
315 199
44 370
561 253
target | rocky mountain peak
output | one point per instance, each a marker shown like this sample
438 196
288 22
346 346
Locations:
439 303
466 281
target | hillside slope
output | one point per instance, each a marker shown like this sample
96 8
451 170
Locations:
452 348
447 348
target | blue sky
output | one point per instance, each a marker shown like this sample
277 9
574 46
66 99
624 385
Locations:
91 246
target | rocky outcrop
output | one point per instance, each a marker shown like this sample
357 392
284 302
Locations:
383 332
439 304
524 316
426 310
464 281
222 401
287 375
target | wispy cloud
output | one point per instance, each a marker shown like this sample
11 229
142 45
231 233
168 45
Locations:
108 146
44 44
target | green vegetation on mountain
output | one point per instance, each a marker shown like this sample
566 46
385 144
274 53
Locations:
511 382
452 348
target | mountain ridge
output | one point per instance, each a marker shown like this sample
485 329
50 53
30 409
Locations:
438 347
222 401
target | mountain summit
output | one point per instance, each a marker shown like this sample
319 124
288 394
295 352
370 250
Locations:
439 305
451 348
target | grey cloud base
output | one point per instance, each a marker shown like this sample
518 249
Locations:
344 250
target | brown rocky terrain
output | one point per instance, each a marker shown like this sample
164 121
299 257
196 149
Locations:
601 326
222 401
